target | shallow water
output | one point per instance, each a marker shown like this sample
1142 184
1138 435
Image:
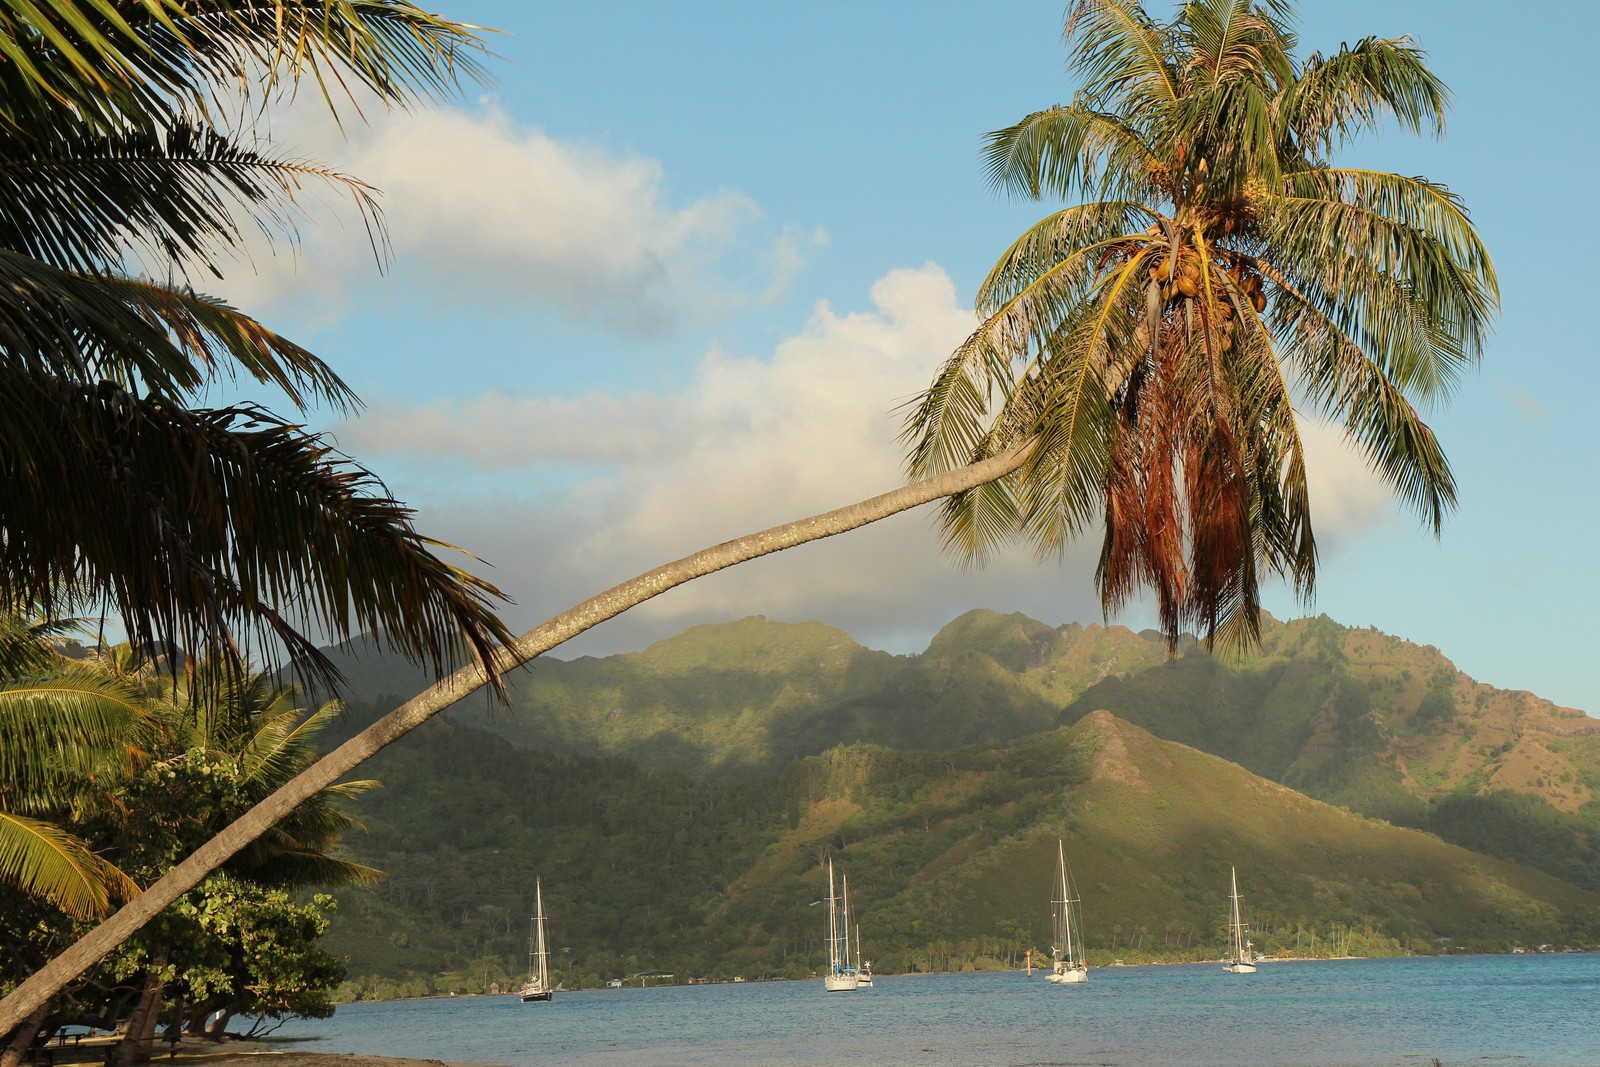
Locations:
1486 1011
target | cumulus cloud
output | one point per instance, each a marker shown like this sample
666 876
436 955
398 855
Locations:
1346 496
749 443
482 211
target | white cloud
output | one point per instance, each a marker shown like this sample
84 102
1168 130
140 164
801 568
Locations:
482 211
748 444
1347 498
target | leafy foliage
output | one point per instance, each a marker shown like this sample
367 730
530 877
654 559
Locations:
116 775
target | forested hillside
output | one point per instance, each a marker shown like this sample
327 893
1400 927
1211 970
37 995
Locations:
949 855
1355 717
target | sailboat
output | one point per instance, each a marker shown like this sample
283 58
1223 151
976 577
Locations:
1243 961
863 967
1070 968
538 984
841 977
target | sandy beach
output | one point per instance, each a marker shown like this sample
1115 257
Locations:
265 1052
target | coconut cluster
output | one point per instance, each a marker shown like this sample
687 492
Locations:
1177 273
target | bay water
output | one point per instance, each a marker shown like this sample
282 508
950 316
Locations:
1485 1011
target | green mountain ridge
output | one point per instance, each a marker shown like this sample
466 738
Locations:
678 800
1358 718
949 854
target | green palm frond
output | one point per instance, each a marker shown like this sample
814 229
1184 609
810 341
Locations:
80 197
204 520
1335 98
1067 148
25 644
280 746
58 727
120 59
70 327
276 860
1123 57
45 861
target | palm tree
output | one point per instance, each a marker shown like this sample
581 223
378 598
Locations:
1142 353
256 726
62 726
212 529
1155 339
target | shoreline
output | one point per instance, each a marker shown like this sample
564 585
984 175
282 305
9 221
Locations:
281 1052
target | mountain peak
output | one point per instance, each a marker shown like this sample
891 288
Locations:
751 643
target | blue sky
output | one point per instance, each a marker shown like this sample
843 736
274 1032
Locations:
667 278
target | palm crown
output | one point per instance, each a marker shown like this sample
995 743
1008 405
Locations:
1152 343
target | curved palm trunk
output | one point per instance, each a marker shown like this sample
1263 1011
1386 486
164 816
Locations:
100 941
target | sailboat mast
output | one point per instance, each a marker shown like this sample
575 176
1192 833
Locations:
1066 901
538 925
1238 920
844 923
833 924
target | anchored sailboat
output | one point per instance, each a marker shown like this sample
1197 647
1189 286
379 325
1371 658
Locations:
1070 968
841 977
538 985
863 966
1243 961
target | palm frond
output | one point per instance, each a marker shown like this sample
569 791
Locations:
1335 98
1067 151
60 726
45 861
198 524
85 328
80 197
119 60
1123 57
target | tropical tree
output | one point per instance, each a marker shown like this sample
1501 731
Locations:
1142 353
61 726
219 529
1155 340
135 793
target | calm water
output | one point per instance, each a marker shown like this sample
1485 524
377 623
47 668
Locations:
1485 1011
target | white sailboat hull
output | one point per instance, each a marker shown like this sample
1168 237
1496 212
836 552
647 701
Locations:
1071 976
840 983
1238 967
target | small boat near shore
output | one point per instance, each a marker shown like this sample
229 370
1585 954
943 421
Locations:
863 966
841 977
1069 965
1243 961
537 987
